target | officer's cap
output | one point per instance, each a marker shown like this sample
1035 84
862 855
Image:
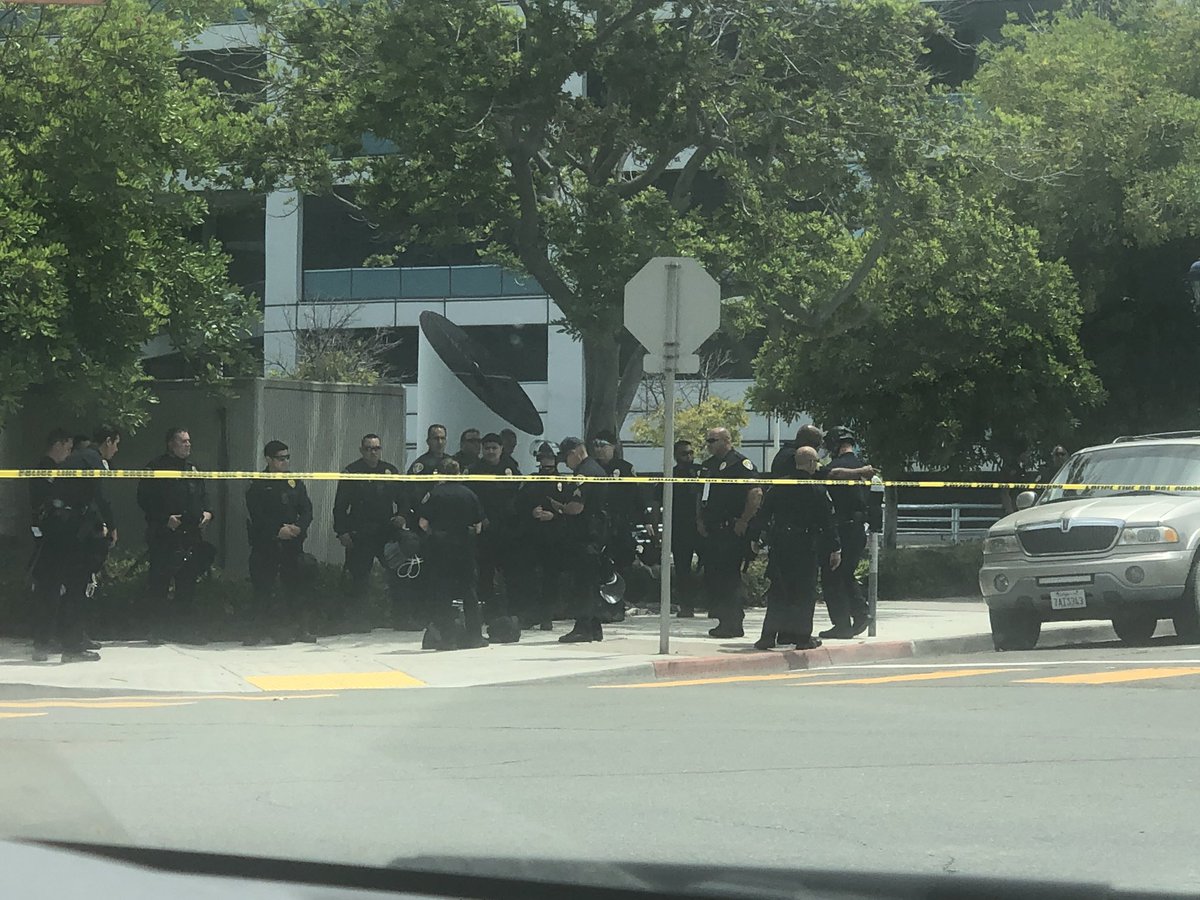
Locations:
566 445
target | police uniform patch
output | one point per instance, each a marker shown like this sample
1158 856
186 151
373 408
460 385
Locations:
291 482
418 468
721 467
747 464
508 471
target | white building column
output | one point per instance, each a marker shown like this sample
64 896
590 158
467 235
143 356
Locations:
564 384
284 278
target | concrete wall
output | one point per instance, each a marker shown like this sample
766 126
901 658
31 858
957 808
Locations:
321 423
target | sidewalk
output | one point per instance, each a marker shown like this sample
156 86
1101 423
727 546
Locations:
389 659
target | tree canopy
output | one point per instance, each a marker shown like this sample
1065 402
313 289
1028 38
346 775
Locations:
575 140
98 131
1108 95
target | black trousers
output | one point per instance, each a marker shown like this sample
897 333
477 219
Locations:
685 549
582 561
78 567
49 564
535 573
792 597
360 559
491 552
181 558
843 594
280 584
455 576
724 552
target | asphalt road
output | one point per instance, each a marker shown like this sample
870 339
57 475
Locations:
1077 763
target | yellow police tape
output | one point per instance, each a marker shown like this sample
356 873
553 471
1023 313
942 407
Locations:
761 478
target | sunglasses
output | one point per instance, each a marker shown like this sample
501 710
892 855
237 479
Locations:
374 449
282 456
711 440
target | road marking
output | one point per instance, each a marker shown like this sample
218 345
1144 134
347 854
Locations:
914 676
1030 663
1115 677
141 701
336 681
20 715
726 679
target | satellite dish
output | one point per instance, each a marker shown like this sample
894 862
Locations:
480 373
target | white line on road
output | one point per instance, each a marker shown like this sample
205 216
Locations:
1034 663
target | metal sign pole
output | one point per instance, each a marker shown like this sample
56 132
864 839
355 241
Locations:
670 359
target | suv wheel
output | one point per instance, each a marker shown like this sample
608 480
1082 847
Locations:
1014 629
1135 627
1187 620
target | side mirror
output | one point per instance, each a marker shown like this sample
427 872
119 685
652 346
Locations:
1026 499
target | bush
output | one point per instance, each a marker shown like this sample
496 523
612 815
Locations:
120 611
912 573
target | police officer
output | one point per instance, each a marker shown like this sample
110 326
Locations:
798 520
452 516
722 520
177 511
366 513
685 539
539 546
280 514
79 531
848 610
470 445
435 452
509 437
626 509
495 538
45 566
784 463
586 535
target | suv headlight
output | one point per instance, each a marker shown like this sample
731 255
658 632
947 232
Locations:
1001 543
1150 534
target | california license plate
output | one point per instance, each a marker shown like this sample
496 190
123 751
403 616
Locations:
1068 599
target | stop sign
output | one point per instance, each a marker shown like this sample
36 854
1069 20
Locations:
646 306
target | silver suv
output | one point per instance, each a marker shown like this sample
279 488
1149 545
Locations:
1128 554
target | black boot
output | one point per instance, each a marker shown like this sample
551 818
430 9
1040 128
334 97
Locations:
582 632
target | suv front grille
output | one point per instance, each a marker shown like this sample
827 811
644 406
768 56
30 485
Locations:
1079 539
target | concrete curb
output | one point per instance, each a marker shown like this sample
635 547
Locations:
836 654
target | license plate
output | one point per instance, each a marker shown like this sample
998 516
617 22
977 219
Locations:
1068 599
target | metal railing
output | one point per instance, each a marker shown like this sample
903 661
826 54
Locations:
953 522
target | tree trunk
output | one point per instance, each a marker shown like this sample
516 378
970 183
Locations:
602 376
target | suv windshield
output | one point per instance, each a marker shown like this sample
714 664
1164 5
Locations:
1134 464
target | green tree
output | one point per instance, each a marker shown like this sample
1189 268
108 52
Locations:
97 130
1108 97
696 128
962 350
692 421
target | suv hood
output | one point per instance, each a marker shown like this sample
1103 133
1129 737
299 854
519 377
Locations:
1137 509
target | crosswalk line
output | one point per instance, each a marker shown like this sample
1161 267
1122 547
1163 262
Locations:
1124 675
911 677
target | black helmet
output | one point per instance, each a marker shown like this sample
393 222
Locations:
837 436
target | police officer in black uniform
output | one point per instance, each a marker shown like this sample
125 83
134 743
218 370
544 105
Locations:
784 463
685 539
626 509
586 532
80 530
452 516
538 547
366 513
798 522
495 539
280 514
509 437
46 564
723 519
844 599
470 446
177 511
435 452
